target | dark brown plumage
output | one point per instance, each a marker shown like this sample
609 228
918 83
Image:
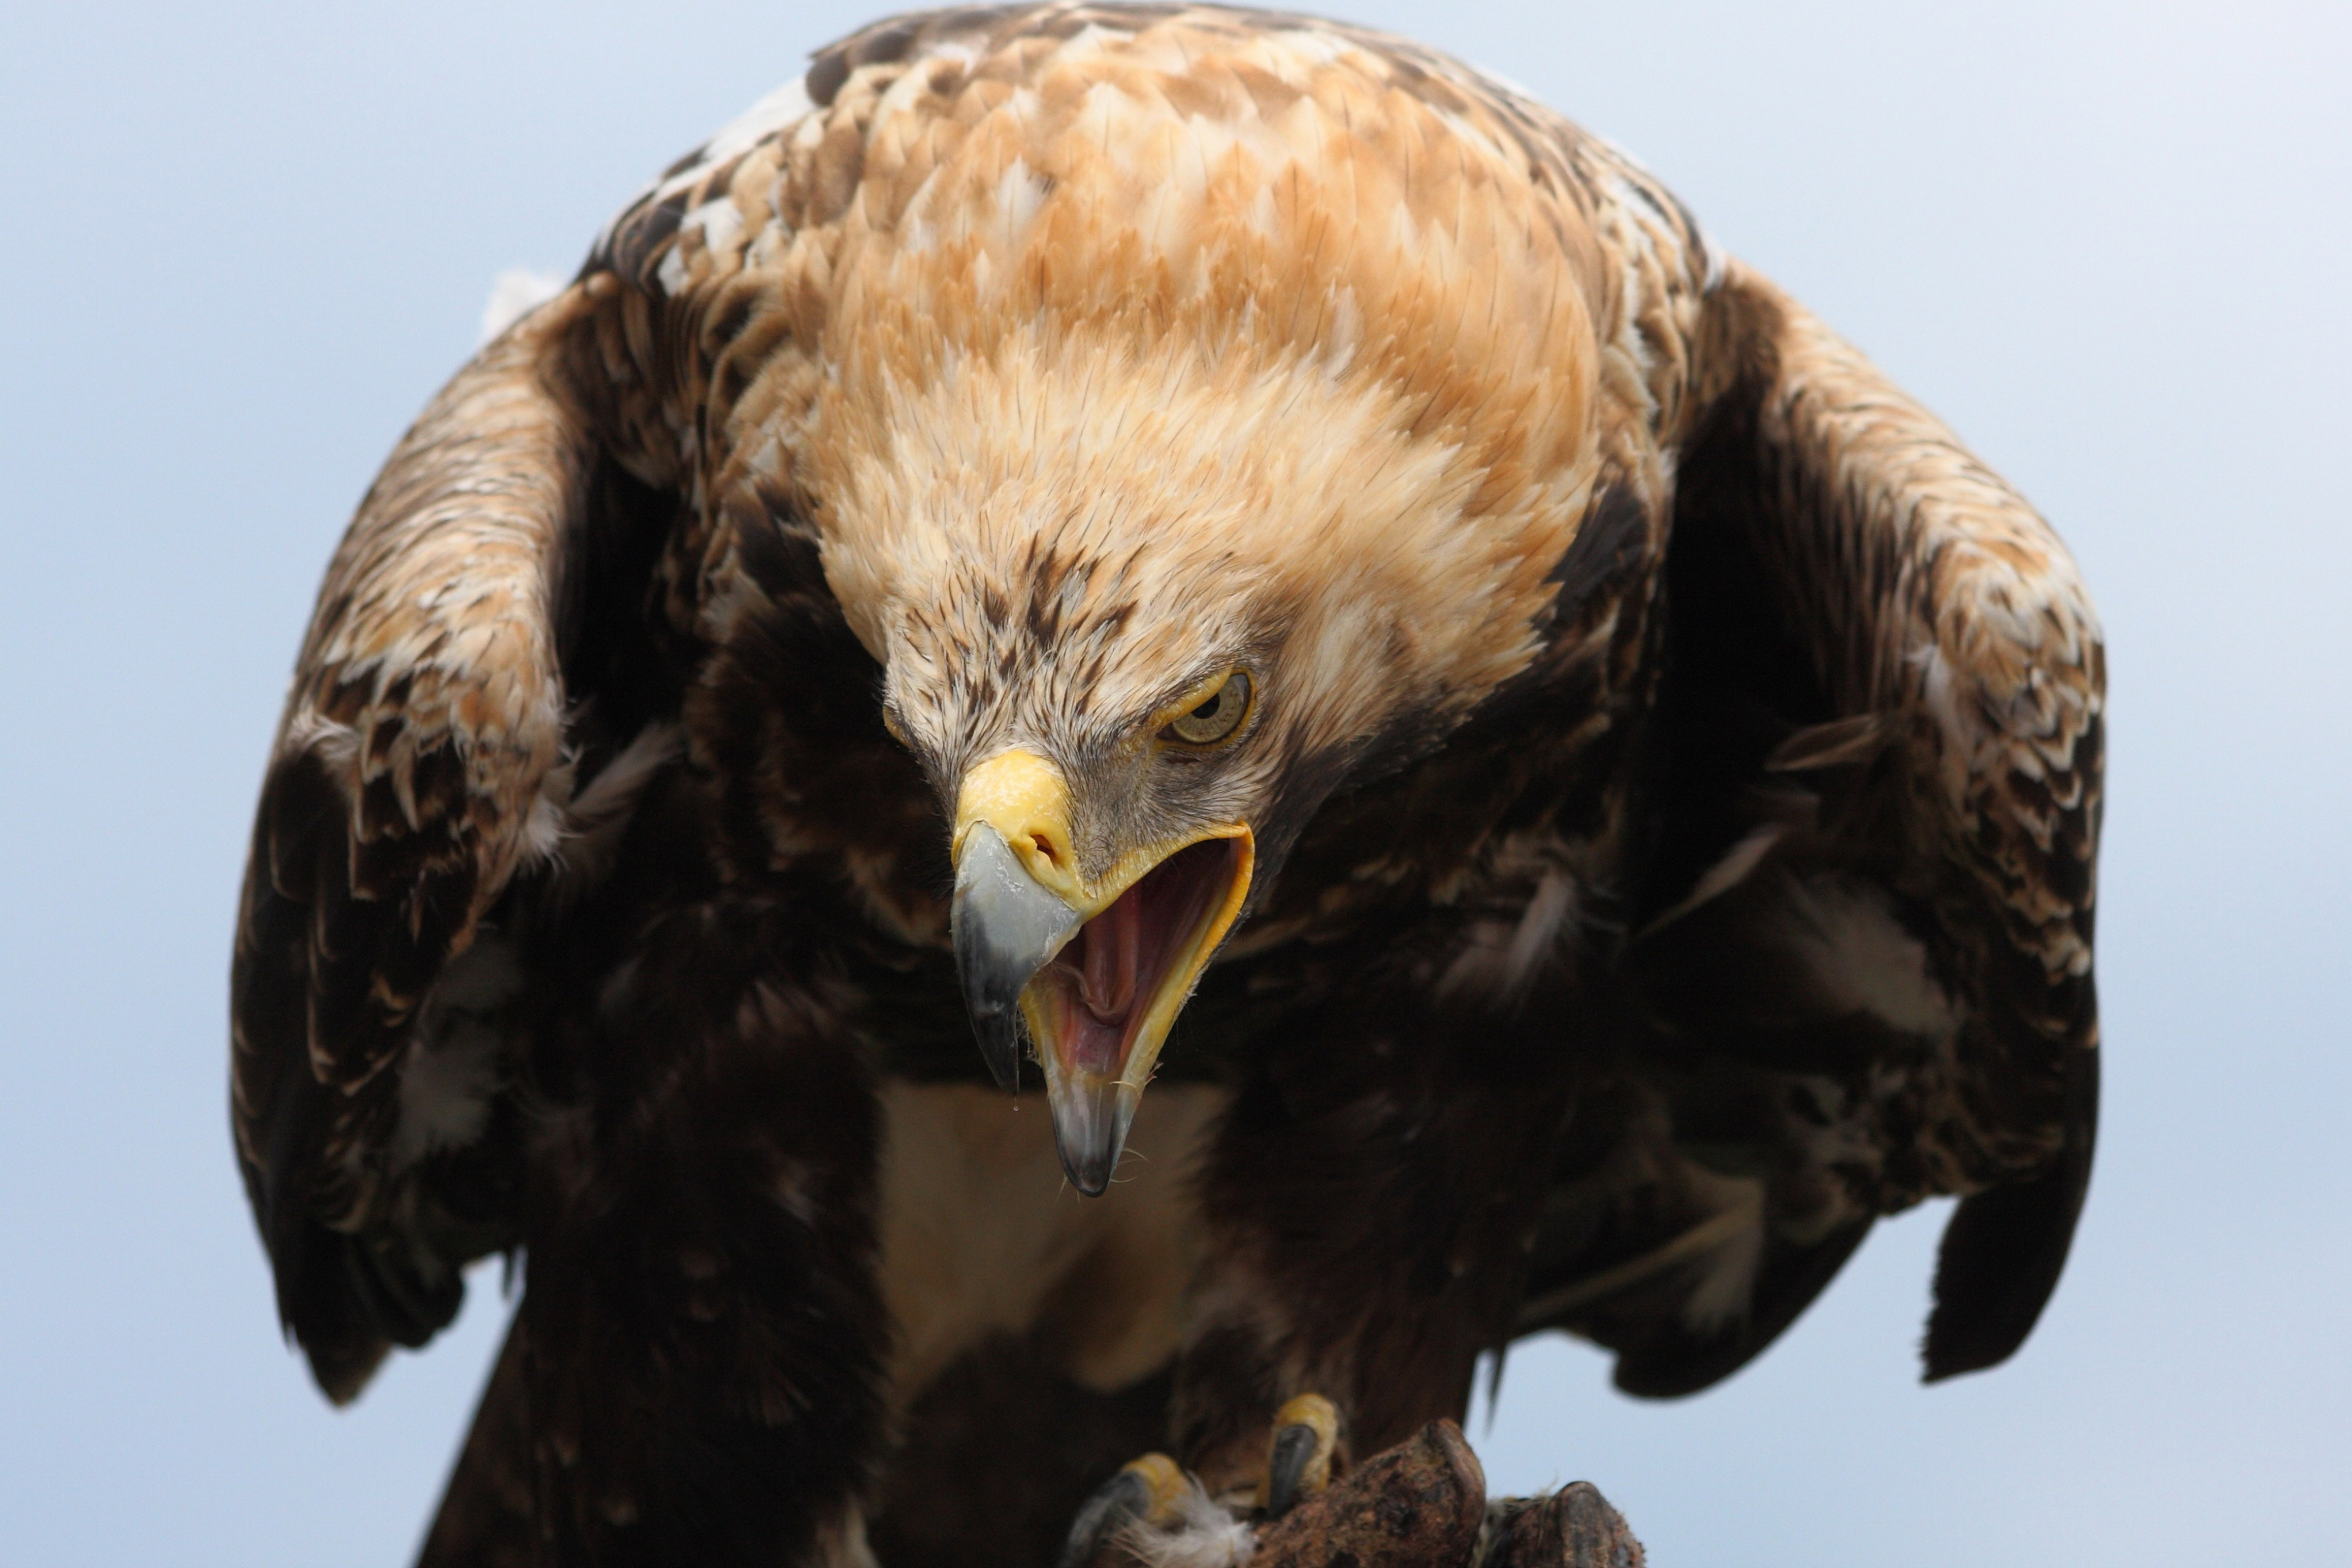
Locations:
1655 812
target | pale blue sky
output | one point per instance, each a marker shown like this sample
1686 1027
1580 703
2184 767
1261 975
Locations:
2108 242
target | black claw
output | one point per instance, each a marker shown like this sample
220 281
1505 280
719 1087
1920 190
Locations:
1286 1467
1124 1498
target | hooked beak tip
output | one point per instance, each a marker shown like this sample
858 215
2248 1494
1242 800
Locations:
1006 928
1090 1123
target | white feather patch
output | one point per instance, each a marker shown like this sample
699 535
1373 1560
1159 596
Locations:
589 824
1727 1279
1499 964
1538 933
746 130
1738 863
1206 1536
451 1067
1847 935
337 745
514 294
772 113
719 221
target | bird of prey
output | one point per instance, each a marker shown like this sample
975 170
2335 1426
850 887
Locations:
1472 767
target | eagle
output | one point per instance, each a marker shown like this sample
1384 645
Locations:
1470 766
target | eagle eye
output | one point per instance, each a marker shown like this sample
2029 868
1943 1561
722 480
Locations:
1214 716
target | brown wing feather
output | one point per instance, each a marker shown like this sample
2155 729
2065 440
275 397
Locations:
1864 971
410 778
1987 636
1923 583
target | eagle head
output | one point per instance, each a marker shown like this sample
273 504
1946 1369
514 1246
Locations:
1140 610
1161 536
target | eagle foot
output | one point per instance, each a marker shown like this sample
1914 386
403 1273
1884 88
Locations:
1152 1505
1573 1528
1299 1459
1150 1496
1419 1505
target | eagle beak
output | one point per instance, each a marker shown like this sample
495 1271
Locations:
1096 968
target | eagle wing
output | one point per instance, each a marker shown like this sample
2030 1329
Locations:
418 765
1860 969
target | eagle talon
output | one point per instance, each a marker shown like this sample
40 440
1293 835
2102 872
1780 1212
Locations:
1417 1505
1299 1459
1145 1491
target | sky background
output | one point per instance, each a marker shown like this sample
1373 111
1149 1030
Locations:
2108 243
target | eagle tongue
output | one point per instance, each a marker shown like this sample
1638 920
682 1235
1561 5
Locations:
1112 946
1095 1000
1085 1064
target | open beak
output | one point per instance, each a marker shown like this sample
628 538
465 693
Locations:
1095 968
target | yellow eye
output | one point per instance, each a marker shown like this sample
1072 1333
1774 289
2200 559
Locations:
1216 716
